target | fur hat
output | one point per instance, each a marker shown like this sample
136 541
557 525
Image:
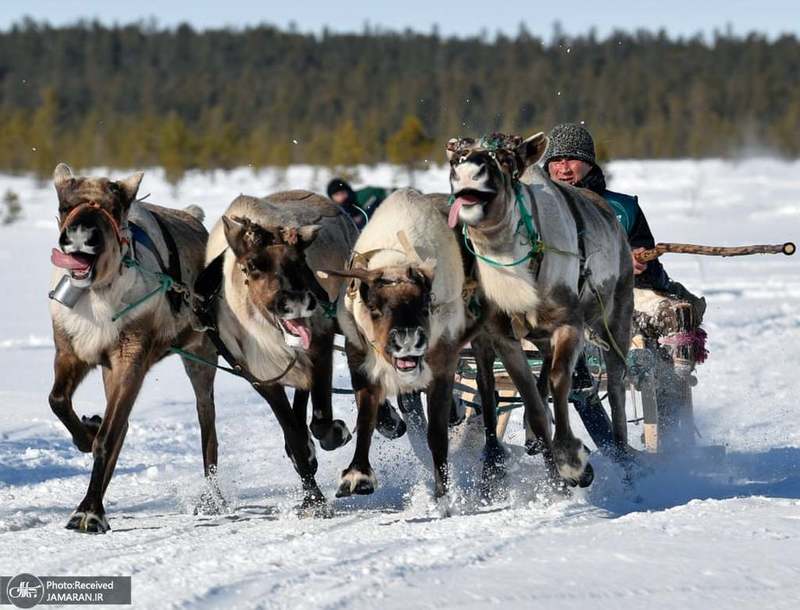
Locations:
572 141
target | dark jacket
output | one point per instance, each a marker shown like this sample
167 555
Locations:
631 217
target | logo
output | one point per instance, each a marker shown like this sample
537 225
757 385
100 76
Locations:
25 590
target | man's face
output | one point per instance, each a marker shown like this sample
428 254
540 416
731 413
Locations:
568 170
339 197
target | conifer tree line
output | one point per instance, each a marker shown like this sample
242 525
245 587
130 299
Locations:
138 95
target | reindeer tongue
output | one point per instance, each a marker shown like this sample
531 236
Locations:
452 218
73 262
301 330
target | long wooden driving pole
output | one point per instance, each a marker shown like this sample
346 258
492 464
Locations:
663 248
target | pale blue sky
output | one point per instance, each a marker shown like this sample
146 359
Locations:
678 17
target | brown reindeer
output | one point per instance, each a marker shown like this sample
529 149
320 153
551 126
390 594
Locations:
271 312
103 230
555 260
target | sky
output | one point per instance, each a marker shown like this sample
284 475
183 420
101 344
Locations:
468 17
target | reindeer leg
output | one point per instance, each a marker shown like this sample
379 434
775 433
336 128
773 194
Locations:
616 367
299 448
69 372
493 453
359 477
538 428
443 360
202 378
543 383
439 396
569 453
128 365
331 433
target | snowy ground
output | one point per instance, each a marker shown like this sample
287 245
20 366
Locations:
692 535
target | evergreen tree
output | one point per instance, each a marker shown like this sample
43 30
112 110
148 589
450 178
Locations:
409 146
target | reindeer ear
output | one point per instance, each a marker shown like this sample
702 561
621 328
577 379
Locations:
308 234
428 268
302 236
62 175
234 234
450 148
424 272
532 149
130 186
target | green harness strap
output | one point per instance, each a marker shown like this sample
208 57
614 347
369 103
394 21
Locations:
526 221
166 283
329 309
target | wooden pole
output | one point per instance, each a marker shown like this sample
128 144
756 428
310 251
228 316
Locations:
663 248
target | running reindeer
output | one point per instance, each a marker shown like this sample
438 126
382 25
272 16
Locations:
272 318
405 323
554 259
113 308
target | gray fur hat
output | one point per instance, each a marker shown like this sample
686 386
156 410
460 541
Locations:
570 140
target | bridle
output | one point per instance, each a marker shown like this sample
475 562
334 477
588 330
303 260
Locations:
122 238
493 146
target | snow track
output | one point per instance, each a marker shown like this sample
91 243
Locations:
693 534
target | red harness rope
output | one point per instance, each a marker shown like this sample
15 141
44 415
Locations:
121 239
696 339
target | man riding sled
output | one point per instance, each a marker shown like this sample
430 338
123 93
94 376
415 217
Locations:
667 334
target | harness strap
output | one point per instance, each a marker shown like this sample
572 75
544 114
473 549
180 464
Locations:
173 269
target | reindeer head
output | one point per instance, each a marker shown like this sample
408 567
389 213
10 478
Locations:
483 172
279 281
92 215
396 313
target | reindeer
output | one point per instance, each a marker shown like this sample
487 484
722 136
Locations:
271 312
555 260
405 323
114 249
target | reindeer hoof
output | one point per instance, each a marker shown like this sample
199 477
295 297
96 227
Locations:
91 425
494 471
331 435
573 464
587 477
315 505
354 481
389 423
88 523
211 501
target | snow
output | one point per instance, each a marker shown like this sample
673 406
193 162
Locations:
697 532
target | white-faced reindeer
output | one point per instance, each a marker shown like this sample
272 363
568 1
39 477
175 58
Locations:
271 312
113 249
405 323
554 259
